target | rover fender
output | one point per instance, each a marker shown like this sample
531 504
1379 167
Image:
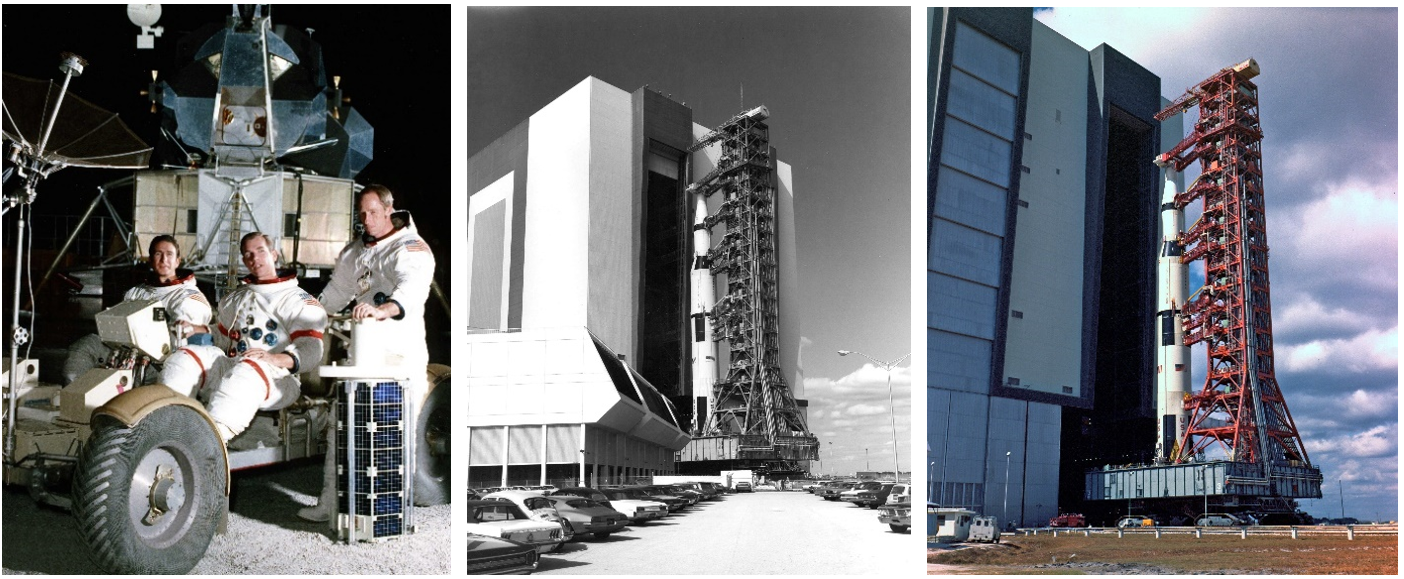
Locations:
131 406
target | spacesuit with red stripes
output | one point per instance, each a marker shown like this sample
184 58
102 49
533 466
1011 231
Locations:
274 316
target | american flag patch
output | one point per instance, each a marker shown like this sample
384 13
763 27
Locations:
415 244
199 297
309 300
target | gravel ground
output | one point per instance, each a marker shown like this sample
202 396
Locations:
264 537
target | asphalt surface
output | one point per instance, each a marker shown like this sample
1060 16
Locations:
265 537
765 533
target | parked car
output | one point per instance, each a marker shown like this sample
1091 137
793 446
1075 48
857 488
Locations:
1224 520
587 516
536 507
1068 520
851 495
901 493
898 517
1132 521
872 496
506 520
492 555
638 510
831 492
744 487
675 504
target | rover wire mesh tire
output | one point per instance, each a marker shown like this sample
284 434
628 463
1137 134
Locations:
898 528
149 498
433 427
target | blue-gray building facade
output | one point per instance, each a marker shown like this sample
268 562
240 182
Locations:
1040 157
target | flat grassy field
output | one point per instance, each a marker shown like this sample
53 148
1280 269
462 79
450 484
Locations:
1144 554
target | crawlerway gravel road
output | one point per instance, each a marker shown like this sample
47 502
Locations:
265 536
763 533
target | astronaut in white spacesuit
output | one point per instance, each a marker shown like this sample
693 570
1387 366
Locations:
174 287
269 330
384 275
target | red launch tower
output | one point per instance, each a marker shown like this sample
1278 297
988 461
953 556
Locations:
1240 407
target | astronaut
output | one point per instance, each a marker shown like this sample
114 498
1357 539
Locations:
269 330
185 305
384 275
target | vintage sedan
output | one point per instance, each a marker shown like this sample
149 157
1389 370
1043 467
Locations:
508 521
898 517
675 504
536 507
492 555
831 491
870 495
587 516
638 510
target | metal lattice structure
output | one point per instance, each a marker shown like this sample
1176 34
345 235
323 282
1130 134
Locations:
1240 407
752 403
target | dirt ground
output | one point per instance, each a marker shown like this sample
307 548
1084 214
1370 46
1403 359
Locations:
1146 555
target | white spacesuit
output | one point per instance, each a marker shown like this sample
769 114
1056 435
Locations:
395 268
183 302
274 316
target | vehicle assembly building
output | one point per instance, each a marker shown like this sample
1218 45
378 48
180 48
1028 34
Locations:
1060 314
1041 274
598 280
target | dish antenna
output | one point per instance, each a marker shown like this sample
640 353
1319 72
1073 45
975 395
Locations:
44 136
145 16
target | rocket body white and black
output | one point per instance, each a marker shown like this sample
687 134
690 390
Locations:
704 349
1171 354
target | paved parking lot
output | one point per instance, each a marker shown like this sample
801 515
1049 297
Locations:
767 533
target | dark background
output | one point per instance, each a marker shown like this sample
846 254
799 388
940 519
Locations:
394 64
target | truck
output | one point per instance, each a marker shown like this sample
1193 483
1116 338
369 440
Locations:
1068 520
984 530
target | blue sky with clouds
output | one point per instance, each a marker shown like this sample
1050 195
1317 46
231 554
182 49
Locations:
1329 106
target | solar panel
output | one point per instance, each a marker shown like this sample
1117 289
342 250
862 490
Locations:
374 457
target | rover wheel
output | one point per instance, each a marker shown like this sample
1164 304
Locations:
149 498
898 528
434 424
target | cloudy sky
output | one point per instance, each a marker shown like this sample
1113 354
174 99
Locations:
1329 107
837 83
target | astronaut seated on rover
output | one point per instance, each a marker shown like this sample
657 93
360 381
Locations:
173 287
267 332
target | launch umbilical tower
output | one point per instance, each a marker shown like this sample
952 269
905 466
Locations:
750 411
1240 406
1235 441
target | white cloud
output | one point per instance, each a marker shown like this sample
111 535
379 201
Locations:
1356 224
1307 314
1371 350
866 410
1380 441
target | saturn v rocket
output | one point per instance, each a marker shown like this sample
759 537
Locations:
1172 376
704 349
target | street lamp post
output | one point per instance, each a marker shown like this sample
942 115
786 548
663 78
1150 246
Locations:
1006 485
1341 486
930 483
896 462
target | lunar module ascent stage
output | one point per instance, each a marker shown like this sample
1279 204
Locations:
262 142
1231 446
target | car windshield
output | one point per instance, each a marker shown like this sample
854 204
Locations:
535 503
582 503
502 512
